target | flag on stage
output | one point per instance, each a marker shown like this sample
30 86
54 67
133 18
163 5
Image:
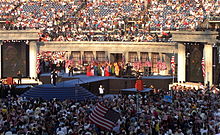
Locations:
38 63
203 67
173 64
104 117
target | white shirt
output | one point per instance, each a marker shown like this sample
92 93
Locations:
101 90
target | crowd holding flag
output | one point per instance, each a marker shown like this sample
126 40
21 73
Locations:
203 67
104 117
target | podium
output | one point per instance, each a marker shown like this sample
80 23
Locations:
10 80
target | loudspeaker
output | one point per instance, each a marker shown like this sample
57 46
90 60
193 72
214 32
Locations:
10 80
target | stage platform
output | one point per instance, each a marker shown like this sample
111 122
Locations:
81 87
112 84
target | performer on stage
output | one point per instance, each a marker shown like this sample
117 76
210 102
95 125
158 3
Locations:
112 69
107 70
95 70
54 77
139 84
102 68
92 70
19 77
116 69
88 70
70 67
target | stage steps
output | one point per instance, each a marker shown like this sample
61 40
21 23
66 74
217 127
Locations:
49 92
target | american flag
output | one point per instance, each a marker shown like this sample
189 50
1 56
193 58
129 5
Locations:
38 63
173 64
104 117
203 67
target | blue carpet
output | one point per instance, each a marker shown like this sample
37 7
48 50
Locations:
134 90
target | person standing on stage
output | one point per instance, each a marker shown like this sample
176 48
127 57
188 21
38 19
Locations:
102 68
70 70
117 70
139 84
107 70
101 90
54 77
88 70
19 77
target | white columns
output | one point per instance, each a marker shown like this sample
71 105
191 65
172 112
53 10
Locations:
126 57
181 71
82 57
207 53
32 59
94 55
139 56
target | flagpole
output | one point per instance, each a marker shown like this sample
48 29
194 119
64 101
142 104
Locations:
174 69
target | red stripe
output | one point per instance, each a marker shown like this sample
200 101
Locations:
101 116
99 125
100 122
97 117
103 107
203 68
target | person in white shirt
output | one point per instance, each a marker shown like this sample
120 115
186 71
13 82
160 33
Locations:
101 90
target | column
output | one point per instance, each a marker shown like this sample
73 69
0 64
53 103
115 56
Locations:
207 53
32 59
1 43
94 55
109 56
126 57
82 57
106 56
181 70
139 56
149 56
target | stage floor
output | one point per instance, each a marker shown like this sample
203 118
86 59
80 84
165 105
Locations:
82 79
71 87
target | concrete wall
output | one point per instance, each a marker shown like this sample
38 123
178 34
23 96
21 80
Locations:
195 36
19 34
112 47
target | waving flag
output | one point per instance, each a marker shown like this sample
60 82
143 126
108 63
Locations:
173 64
104 117
203 67
38 63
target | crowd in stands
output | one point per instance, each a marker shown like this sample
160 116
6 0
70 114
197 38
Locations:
107 20
191 112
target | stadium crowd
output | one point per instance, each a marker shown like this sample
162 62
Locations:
107 20
191 112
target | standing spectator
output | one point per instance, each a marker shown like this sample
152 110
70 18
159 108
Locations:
19 77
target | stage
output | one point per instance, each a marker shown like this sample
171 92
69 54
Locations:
82 87
112 84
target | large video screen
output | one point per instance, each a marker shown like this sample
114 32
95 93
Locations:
14 59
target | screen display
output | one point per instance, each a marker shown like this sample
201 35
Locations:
14 59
